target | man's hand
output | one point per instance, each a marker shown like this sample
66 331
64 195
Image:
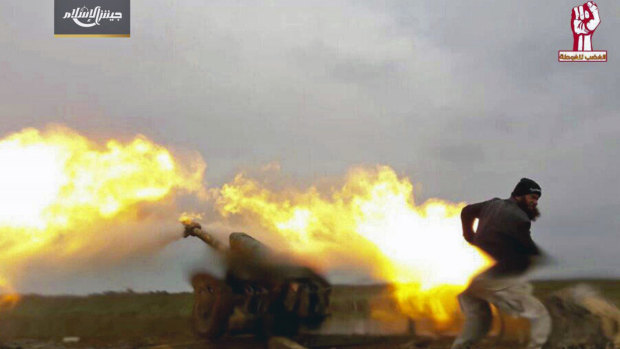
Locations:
584 21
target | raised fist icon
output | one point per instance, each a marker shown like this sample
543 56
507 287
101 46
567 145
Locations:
584 21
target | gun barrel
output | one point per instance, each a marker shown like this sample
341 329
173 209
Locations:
194 229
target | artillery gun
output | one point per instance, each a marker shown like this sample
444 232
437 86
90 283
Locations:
261 293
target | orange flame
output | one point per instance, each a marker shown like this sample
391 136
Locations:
372 222
60 190
8 296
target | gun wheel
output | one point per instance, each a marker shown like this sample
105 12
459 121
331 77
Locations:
213 305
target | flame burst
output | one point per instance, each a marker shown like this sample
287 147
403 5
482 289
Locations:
8 296
372 222
60 191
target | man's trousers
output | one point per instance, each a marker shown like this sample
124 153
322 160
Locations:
511 296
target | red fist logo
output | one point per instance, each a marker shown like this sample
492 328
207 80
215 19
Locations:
584 21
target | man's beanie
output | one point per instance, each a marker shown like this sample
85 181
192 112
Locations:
527 186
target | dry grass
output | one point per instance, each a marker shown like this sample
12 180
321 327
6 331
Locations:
151 318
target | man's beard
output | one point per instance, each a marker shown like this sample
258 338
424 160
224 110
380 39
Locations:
532 213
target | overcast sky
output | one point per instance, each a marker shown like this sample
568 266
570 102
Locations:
464 98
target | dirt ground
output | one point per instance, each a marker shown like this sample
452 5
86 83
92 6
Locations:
160 320
248 343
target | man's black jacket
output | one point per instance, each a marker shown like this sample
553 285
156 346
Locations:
503 232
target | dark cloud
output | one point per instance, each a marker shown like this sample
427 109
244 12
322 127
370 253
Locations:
464 97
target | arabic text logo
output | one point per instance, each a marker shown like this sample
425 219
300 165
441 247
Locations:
85 17
585 19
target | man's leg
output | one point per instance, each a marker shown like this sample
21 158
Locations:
478 319
517 299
